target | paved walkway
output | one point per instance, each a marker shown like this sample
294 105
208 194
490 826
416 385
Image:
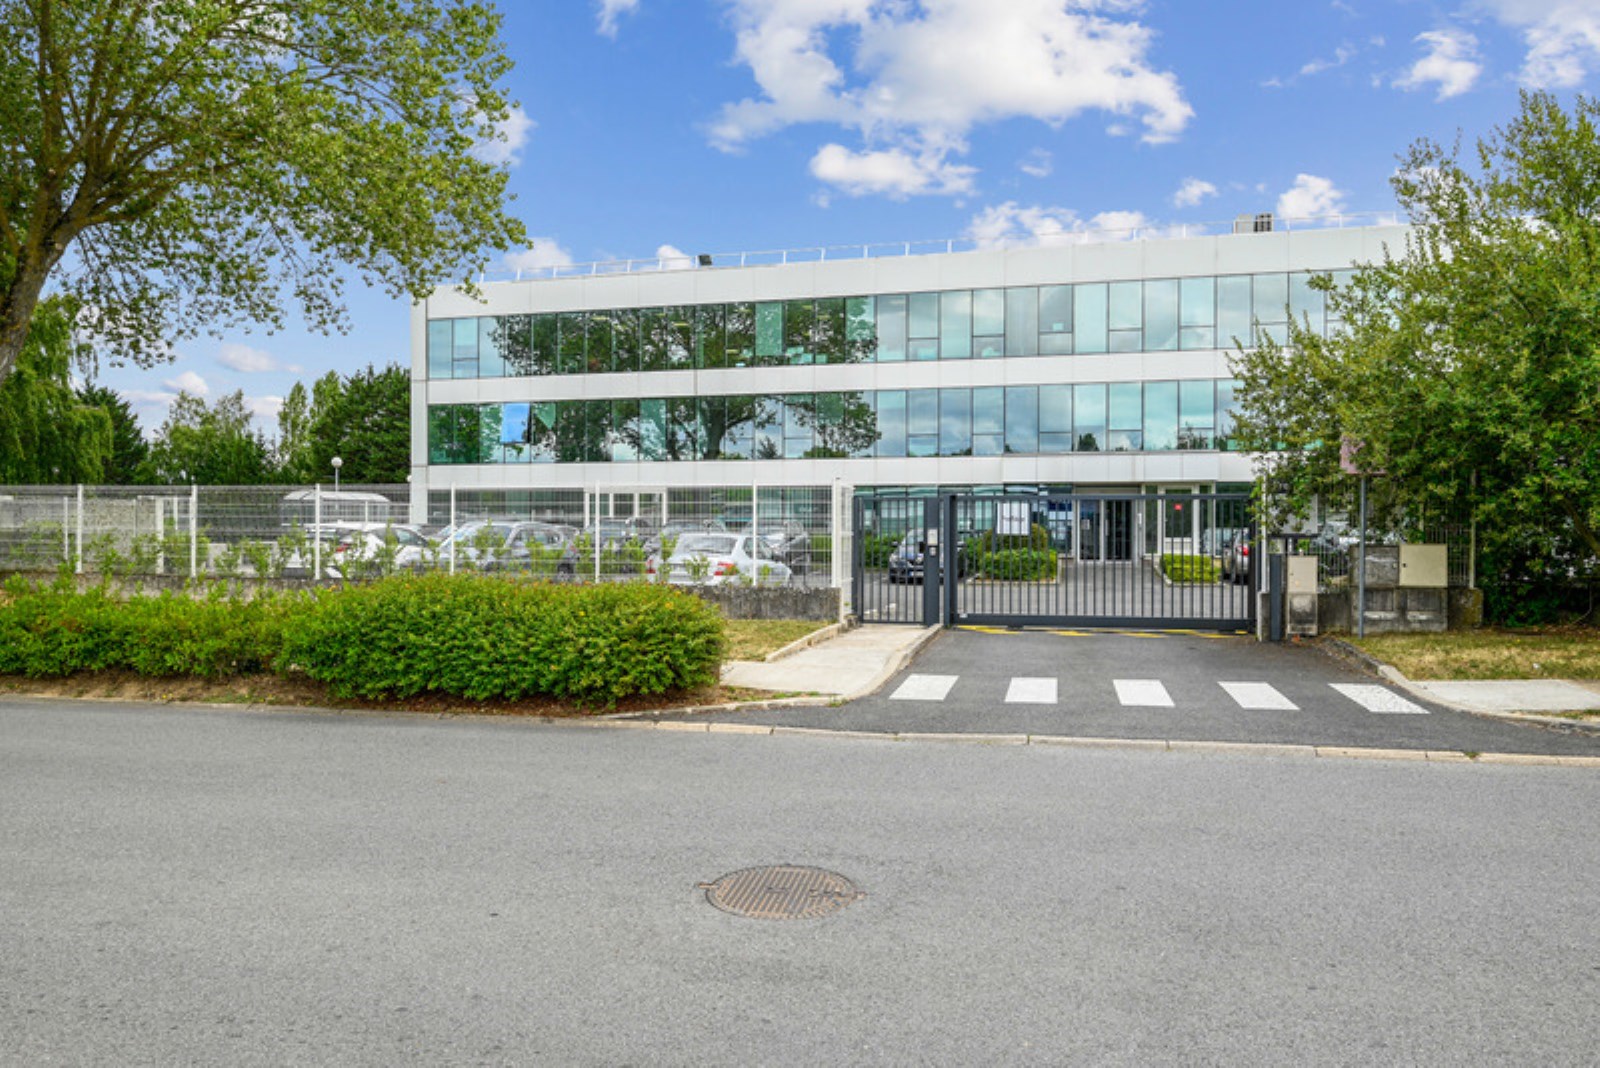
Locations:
852 665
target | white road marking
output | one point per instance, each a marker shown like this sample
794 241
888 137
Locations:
924 688
1031 691
1377 699
1259 696
1142 693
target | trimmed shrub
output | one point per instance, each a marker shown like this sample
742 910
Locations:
483 638
1022 565
1189 569
1037 539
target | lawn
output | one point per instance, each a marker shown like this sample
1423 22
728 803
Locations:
753 639
1557 653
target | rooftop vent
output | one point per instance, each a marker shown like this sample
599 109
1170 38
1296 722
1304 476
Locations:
1259 223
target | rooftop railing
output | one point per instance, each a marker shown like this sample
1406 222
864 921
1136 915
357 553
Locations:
899 249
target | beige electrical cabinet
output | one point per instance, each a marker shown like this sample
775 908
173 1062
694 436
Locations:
1424 567
1302 574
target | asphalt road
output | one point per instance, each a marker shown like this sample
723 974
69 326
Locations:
1082 669
228 887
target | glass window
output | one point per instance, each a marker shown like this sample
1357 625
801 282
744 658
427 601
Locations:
464 347
769 333
542 432
573 328
989 421
679 324
1161 315
989 323
891 329
625 431
955 422
767 426
799 322
955 325
1055 418
1196 413
513 339
922 422
1022 321
740 325
1055 310
923 326
1227 406
597 431
652 430
1126 424
1160 416
1233 310
1305 303
1271 297
1022 419
861 327
625 347
600 340
1089 411
546 345
684 441
829 343
652 339
710 342
859 423
441 434
1197 314
800 413
1089 317
489 363
516 432
891 423
1126 316
440 357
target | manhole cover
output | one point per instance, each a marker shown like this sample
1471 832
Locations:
782 892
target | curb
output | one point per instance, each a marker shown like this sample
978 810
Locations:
816 637
1340 649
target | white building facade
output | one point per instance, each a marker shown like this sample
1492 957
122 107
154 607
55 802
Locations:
1075 367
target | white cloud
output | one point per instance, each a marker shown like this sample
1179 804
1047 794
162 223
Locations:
541 254
1012 224
1562 38
264 409
1192 192
1450 61
507 140
673 258
188 382
1341 55
892 172
914 79
1310 196
246 360
611 11
1037 164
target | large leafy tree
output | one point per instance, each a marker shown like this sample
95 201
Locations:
128 447
1468 370
180 164
364 419
213 445
48 434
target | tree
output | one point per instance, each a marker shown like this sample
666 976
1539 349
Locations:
128 447
1468 369
213 446
179 165
364 419
47 434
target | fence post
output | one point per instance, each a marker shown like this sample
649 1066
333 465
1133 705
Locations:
78 569
613 502
316 533
194 530
755 534
66 530
453 531
161 529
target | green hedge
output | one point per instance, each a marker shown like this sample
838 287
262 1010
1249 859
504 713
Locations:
477 637
483 638
54 630
1025 565
1189 569
1037 539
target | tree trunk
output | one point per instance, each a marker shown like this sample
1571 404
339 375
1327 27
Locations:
16 313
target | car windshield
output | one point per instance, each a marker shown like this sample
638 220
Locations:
709 544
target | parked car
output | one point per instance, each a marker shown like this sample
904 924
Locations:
499 545
789 541
615 539
1236 558
1214 541
906 561
383 547
718 559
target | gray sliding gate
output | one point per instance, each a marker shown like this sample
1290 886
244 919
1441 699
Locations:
1162 560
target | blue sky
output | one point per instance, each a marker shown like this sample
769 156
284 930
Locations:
722 125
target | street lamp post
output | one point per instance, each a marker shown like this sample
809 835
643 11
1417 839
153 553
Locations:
337 463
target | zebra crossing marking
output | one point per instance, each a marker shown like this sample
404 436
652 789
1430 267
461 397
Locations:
924 688
1259 697
1031 691
1379 700
1142 693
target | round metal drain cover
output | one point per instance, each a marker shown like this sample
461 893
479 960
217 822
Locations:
782 892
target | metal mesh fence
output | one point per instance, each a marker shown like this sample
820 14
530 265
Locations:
748 535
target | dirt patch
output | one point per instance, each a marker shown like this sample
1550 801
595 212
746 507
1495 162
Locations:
273 690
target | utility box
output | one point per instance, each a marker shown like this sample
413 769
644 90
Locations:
1302 576
1424 567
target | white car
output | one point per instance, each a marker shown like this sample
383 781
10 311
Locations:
384 546
722 559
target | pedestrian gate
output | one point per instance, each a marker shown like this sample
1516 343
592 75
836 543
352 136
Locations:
1158 560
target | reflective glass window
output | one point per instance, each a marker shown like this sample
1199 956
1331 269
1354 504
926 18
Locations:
599 341
574 342
684 439
1055 418
513 337
441 434
489 363
1305 303
1125 429
955 325
542 432
829 344
710 340
547 346
892 329
1022 321
652 430
1271 297
1089 415
1160 416
767 428
516 432
891 423
989 421
922 329
1125 315
653 339
1197 313
922 422
1196 413
1022 419
799 324
1089 317
800 414
1227 405
679 326
739 323
1055 309
955 422
440 356
625 445
464 348
769 333
859 422
861 328
1161 315
490 449
1233 310
989 323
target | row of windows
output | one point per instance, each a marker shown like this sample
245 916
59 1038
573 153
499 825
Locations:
1160 315
983 421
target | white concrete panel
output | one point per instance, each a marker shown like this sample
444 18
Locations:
924 688
1109 261
1031 691
1142 693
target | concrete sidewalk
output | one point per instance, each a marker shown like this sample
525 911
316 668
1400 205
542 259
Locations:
1520 695
852 665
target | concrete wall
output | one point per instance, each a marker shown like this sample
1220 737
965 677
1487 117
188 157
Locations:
783 602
